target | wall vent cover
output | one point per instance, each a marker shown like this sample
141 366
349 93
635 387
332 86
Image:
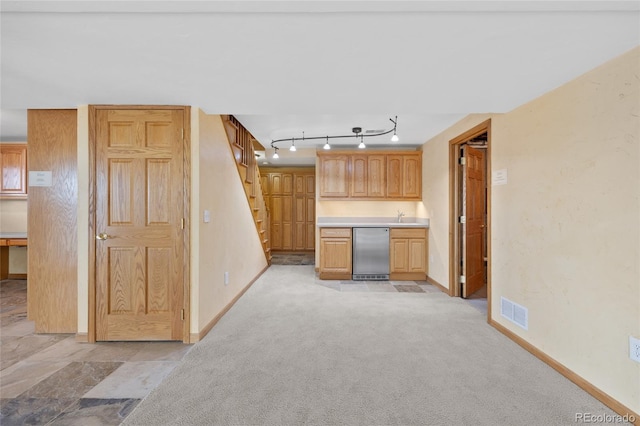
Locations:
515 313
369 277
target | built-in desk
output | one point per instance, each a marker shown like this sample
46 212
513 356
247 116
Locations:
9 239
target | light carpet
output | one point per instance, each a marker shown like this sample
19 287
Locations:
293 352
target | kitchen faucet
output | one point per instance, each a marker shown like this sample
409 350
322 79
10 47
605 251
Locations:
400 214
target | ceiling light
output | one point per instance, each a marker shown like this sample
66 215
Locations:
275 154
362 145
356 130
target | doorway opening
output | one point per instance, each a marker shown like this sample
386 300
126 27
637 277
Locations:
470 217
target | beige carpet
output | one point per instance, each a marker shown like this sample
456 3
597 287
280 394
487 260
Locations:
293 352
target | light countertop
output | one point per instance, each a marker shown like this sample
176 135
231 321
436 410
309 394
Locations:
371 222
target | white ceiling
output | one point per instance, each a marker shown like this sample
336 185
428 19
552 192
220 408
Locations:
322 67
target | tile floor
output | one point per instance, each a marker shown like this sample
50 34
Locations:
50 379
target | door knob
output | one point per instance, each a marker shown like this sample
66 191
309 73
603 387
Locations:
102 236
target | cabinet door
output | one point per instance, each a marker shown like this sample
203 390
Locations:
287 184
300 223
310 185
359 180
276 222
275 183
417 255
264 184
335 255
399 255
333 176
310 225
394 176
412 176
287 223
13 160
376 168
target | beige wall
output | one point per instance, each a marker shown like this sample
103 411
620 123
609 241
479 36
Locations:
229 243
13 218
565 228
435 195
83 219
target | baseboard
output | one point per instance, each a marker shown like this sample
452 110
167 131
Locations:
82 337
575 378
17 276
437 284
196 337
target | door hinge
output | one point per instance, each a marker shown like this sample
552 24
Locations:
462 161
462 219
182 223
462 279
182 315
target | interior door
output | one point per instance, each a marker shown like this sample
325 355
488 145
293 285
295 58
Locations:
139 205
473 205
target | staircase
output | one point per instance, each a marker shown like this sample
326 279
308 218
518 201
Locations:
241 142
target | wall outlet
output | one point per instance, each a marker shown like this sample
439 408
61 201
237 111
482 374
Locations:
634 349
226 278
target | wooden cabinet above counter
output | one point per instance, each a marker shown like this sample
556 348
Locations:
378 175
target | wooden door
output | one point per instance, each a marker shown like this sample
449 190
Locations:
473 205
417 255
376 175
310 211
399 255
139 216
335 255
300 219
359 186
287 223
334 176
394 176
276 222
411 184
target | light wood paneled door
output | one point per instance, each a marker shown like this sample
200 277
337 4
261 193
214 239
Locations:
473 200
139 224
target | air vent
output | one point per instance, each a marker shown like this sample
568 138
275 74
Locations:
369 277
375 131
515 313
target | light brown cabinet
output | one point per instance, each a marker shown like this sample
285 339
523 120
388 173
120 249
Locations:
383 175
13 161
334 176
335 253
290 195
404 176
408 254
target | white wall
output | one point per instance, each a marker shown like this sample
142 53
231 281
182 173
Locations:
230 242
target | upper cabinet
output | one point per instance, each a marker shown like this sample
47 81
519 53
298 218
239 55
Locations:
379 175
13 160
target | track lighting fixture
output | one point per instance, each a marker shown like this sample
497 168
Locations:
395 137
362 145
356 130
275 154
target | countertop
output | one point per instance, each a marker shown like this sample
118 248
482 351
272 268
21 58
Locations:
12 235
371 222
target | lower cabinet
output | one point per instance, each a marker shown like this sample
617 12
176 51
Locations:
335 253
408 254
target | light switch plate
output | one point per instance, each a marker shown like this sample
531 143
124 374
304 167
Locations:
206 216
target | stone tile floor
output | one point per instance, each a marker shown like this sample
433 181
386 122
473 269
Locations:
50 379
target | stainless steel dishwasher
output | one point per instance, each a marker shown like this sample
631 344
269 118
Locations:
370 254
